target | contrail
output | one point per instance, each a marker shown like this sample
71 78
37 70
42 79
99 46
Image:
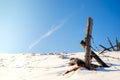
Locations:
47 34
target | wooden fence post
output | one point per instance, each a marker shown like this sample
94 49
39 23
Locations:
88 43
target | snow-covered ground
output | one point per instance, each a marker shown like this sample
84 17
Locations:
52 67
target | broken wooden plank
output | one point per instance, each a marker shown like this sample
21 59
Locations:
94 55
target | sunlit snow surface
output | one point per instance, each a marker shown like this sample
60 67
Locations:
52 67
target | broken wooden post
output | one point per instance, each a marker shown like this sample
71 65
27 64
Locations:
117 44
88 42
83 44
88 53
110 43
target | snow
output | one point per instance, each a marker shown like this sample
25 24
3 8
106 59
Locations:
52 67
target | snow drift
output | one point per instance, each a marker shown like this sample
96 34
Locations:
52 67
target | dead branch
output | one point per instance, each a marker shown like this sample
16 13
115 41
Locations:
74 69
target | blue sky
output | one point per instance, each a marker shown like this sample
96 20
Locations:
56 25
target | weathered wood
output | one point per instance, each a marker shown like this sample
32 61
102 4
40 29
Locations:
83 44
98 59
117 44
110 43
105 48
74 69
74 61
88 42
80 64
